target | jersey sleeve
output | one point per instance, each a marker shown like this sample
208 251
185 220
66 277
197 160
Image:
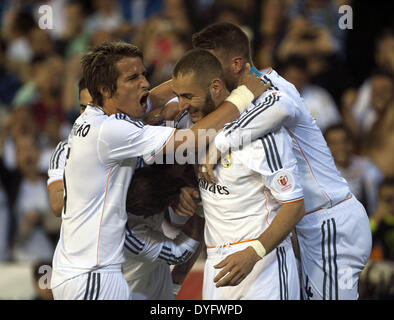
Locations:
176 219
155 246
57 163
272 156
122 138
273 111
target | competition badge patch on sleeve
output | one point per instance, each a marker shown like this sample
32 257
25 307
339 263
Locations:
284 181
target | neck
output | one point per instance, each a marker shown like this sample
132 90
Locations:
109 107
219 100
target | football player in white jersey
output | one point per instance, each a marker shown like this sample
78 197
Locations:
334 236
153 243
103 147
257 198
144 236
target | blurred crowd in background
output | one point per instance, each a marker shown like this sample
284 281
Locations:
345 77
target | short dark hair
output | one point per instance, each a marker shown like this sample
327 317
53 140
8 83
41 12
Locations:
152 190
99 68
224 37
81 85
203 64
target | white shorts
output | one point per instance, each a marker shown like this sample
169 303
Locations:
94 286
156 285
335 245
275 277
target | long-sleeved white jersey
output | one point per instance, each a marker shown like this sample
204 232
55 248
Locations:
280 106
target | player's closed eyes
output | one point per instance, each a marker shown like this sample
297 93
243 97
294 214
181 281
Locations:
135 76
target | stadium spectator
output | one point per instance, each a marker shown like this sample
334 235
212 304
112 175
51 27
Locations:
41 42
271 30
17 26
107 16
317 99
382 222
360 172
9 82
75 38
314 43
31 205
377 140
362 111
162 45
324 14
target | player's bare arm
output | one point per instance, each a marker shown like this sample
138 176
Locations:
56 197
160 94
237 266
225 113
168 112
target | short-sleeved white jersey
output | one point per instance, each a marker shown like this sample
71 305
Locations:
251 185
57 162
102 155
282 105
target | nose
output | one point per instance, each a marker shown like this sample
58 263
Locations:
144 83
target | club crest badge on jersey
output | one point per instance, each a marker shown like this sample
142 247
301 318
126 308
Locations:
284 181
226 161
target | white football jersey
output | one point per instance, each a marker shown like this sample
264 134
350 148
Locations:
279 106
252 182
102 155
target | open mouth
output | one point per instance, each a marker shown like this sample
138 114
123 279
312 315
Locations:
144 101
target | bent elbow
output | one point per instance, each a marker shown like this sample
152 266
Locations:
57 210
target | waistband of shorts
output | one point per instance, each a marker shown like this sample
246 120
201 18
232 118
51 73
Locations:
226 249
62 275
110 268
339 202
229 244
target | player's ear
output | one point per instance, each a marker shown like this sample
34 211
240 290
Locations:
237 64
105 92
216 88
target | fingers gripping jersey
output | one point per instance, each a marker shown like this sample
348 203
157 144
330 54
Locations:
279 106
102 156
251 185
